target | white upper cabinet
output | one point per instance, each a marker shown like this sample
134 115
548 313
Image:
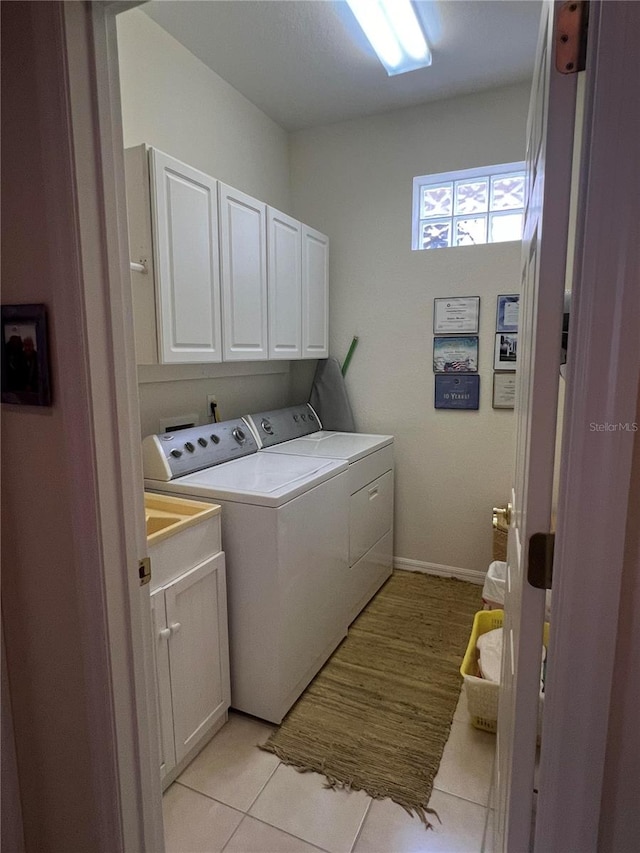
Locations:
243 264
226 278
315 294
187 268
284 252
173 230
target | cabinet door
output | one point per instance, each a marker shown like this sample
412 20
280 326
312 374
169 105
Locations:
244 275
315 294
198 651
163 682
136 170
187 267
284 282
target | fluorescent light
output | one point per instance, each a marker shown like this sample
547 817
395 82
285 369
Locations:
394 33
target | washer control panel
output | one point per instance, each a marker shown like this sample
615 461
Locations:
174 454
284 424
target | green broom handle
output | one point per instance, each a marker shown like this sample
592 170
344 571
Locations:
354 344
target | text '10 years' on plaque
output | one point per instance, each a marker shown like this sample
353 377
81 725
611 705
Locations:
457 391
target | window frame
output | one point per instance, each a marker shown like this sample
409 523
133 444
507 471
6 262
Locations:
489 172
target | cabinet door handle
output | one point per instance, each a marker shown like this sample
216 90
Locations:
175 627
164 633
373 493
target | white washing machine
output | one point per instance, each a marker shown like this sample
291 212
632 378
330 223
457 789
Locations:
285 534
370 478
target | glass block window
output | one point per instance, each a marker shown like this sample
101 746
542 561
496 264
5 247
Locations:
469 207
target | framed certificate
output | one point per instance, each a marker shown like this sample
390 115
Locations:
506 352
457 392
456 315
504 390
508 312
455 354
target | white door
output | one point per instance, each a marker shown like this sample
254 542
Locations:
161 634
244 275
315 294
198 651
284 281
550 132
187 268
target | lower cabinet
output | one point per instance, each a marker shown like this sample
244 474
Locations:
191 652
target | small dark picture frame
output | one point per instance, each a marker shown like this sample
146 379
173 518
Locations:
25 356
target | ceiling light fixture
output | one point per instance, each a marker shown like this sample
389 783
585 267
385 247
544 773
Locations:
394 33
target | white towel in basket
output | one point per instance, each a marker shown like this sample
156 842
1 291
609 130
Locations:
490 654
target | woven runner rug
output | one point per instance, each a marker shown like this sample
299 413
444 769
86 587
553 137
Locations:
377 716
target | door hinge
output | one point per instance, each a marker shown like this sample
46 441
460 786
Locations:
540 568
571 37
144 570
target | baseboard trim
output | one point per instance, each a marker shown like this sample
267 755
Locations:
436 569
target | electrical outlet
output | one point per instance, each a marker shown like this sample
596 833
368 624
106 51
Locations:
212 402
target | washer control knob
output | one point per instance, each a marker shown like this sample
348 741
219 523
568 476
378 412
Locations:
176 454
266 426
202 442
303 416
296 418
215 438
239 435
189 446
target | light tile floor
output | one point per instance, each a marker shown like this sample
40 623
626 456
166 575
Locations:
238 799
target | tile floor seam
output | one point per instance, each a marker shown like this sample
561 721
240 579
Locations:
360 828
253 802
460 797
227 842
283 831
275 826
209 797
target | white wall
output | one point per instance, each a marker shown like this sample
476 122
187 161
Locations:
353 180
41 613
171 100
620 816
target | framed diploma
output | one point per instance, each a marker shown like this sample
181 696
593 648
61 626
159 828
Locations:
504 390
456 315
508 313
506 352
455 354
457 392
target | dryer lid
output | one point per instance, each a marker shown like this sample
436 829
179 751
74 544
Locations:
334 445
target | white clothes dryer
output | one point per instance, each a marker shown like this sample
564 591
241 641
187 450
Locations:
285 535
297 431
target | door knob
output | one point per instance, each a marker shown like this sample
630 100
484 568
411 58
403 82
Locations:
502 515
175 627
164 633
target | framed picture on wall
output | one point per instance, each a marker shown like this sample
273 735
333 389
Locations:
25 357
455 354
506 352
456 315
507 313
504 390
457 392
